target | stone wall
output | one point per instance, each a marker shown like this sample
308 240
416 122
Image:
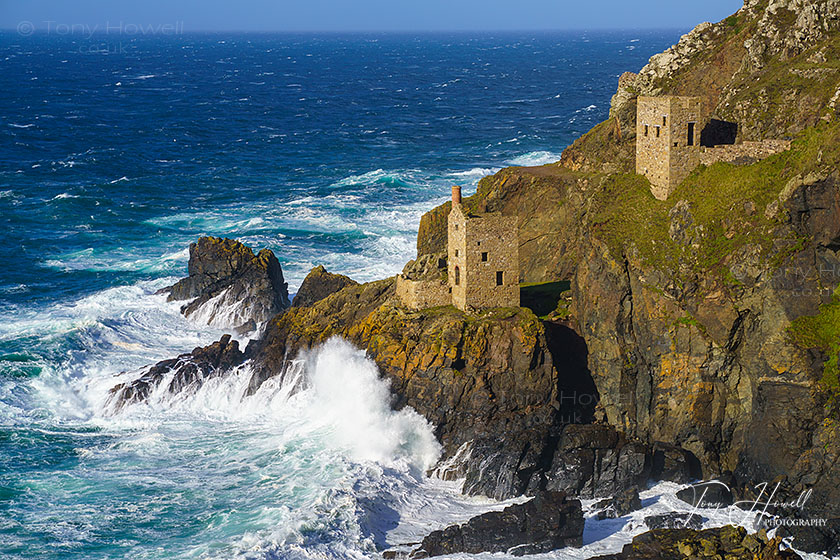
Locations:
751 150
484 249
422 294
456 258
652 139
686 113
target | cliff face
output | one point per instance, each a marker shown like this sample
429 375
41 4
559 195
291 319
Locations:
710 318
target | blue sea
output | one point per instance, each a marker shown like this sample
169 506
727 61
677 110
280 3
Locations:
117 152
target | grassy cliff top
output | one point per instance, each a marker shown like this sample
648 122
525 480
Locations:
715 212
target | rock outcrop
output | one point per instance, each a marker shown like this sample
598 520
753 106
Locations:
732 543
547 522
318 284
229 286
186 372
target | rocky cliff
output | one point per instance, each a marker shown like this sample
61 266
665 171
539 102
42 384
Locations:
709 319
705 326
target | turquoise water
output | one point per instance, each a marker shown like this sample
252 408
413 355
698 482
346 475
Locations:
326 149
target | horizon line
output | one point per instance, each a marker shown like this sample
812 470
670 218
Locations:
47 31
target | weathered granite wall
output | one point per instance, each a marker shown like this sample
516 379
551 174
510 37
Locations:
751 150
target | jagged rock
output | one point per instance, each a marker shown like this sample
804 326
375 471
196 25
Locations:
184 372
620 505
229 286
674 521
732 543
547 522
596 461
318 284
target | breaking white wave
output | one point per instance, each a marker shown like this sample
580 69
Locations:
222 311
535 158
64 195
100 260
472 176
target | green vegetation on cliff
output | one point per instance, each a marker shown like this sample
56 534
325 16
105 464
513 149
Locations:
822 331
717 211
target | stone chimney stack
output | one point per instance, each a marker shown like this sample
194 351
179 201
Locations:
456 194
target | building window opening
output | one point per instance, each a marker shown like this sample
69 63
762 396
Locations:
664 120
500 278
483 257
457 276
657 132
646 130
456 252
691 134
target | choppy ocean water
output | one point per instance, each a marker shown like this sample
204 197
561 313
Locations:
326 149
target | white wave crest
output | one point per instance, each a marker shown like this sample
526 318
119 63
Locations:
535 158
223 310
333 392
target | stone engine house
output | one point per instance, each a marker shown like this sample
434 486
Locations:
482 264
483 259
673 137
667 140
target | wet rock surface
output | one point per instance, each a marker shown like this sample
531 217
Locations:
620 505
731 543
709 494
675 521
595 460
230 286
187 371
547 522
823 539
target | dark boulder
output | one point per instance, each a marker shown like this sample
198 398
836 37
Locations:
814 537
547 522
620 505
187 371
230 286
319 284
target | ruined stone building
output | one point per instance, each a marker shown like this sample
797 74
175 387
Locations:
667 140
673 137
480 270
